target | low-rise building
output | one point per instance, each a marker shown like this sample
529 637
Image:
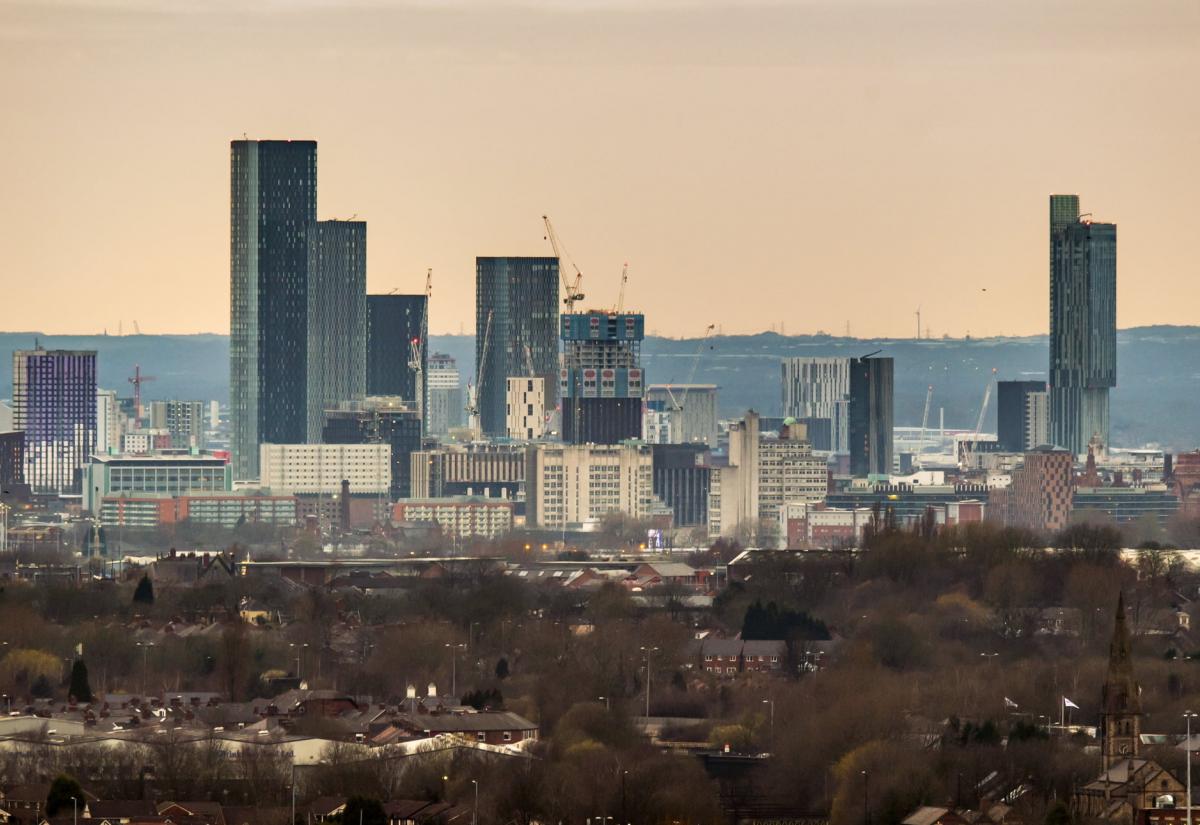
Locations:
171 473
320 469
462 516
580 484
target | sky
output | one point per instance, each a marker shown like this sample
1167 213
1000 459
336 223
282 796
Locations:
808 165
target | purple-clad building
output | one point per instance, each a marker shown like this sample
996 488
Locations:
54 404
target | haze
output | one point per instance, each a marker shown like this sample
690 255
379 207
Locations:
810 163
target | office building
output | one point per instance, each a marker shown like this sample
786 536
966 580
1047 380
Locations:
733 487
144 440
161 475
182 420
229 511
870 416
1012 413
12 461
394 323
789 472
601 382
682 476
681 414
337 319
109 422
819 388
320 469
380 420
54 404
461 517
489 470
574 486
1083 325
444 395
525 408
1037 419
273 202
516 331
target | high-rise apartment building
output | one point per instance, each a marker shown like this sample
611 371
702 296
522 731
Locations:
54 404
394 322
183 420
870 414
577 485
109 421
601 382
273 189
682 473
320 469
444 396
1012 411
1083 325
819 388
681 414
516 327
337 319
1037 419
525 408
380 420
478 469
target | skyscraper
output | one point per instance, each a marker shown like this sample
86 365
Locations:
1083 325
273 201
337 318
54 404
601 380
184 420
870 416
516 327
380 420
1012 413
819 388
393 323
443 392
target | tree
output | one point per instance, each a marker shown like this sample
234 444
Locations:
63 789
361 810
81 689
144 594
502 668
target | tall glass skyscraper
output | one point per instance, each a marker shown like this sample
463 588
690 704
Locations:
273 189
393 322
337 318
54 404
516 310
871 416
1083 325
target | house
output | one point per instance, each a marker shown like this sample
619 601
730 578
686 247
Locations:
657 574
118 811
729 657
927 815
491 727
1129 786
208 812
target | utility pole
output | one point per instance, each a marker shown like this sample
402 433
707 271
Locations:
648 651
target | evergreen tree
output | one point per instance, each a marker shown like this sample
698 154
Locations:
62 790
502 668
81 689
360 810
41 688
144 594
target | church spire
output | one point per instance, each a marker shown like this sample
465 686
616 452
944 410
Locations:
1121 700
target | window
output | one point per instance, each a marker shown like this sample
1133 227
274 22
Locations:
508 736
481 736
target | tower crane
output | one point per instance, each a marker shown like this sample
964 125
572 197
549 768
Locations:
137 380
571 291
678 402
624 280
473 388
987 396
416 347
924 422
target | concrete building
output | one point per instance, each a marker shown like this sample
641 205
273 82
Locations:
1013 410
1041 494
394 322
1037 419
109 422
525 408
337 319
733 488
1083 325
576 485
681 414
464 517
144 441
167 474
379 420
443 389
225 510
516 315
804 525
54 404
182 420
682 479
12 462
819 388
871 416
273 194
788 471
319 469
601 382
6 418
489 470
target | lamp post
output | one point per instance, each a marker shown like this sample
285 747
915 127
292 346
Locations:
771 703
299 651
607 702
475 810
145 646
75 811
648 651
866 797
1187 714
454 648
293 822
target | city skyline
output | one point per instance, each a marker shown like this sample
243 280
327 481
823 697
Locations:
755 139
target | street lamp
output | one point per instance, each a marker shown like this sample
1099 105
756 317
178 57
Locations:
145 646
866 797
454 668
607 702
299 650
75 810
1188 715
475 810
771 703
648 651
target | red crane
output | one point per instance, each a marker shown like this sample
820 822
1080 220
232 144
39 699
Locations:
137 380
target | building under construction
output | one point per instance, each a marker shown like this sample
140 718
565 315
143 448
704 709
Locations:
601 381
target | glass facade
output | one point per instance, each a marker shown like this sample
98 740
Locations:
393 321
516 310
870 411
54 404
273 201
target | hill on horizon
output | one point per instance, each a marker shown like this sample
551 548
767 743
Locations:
1157 400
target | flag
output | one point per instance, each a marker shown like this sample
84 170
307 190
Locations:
1009 703
1067 703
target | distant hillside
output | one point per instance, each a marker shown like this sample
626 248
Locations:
1158 399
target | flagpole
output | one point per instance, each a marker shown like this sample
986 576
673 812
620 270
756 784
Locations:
1062 713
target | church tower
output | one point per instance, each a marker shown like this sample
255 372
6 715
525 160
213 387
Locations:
1121 700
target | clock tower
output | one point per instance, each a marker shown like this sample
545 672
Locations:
1121 699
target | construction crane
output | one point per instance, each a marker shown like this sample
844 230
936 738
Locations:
678 402
473 388
137 380
987 396
624 280
924 423
571 291
416 348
